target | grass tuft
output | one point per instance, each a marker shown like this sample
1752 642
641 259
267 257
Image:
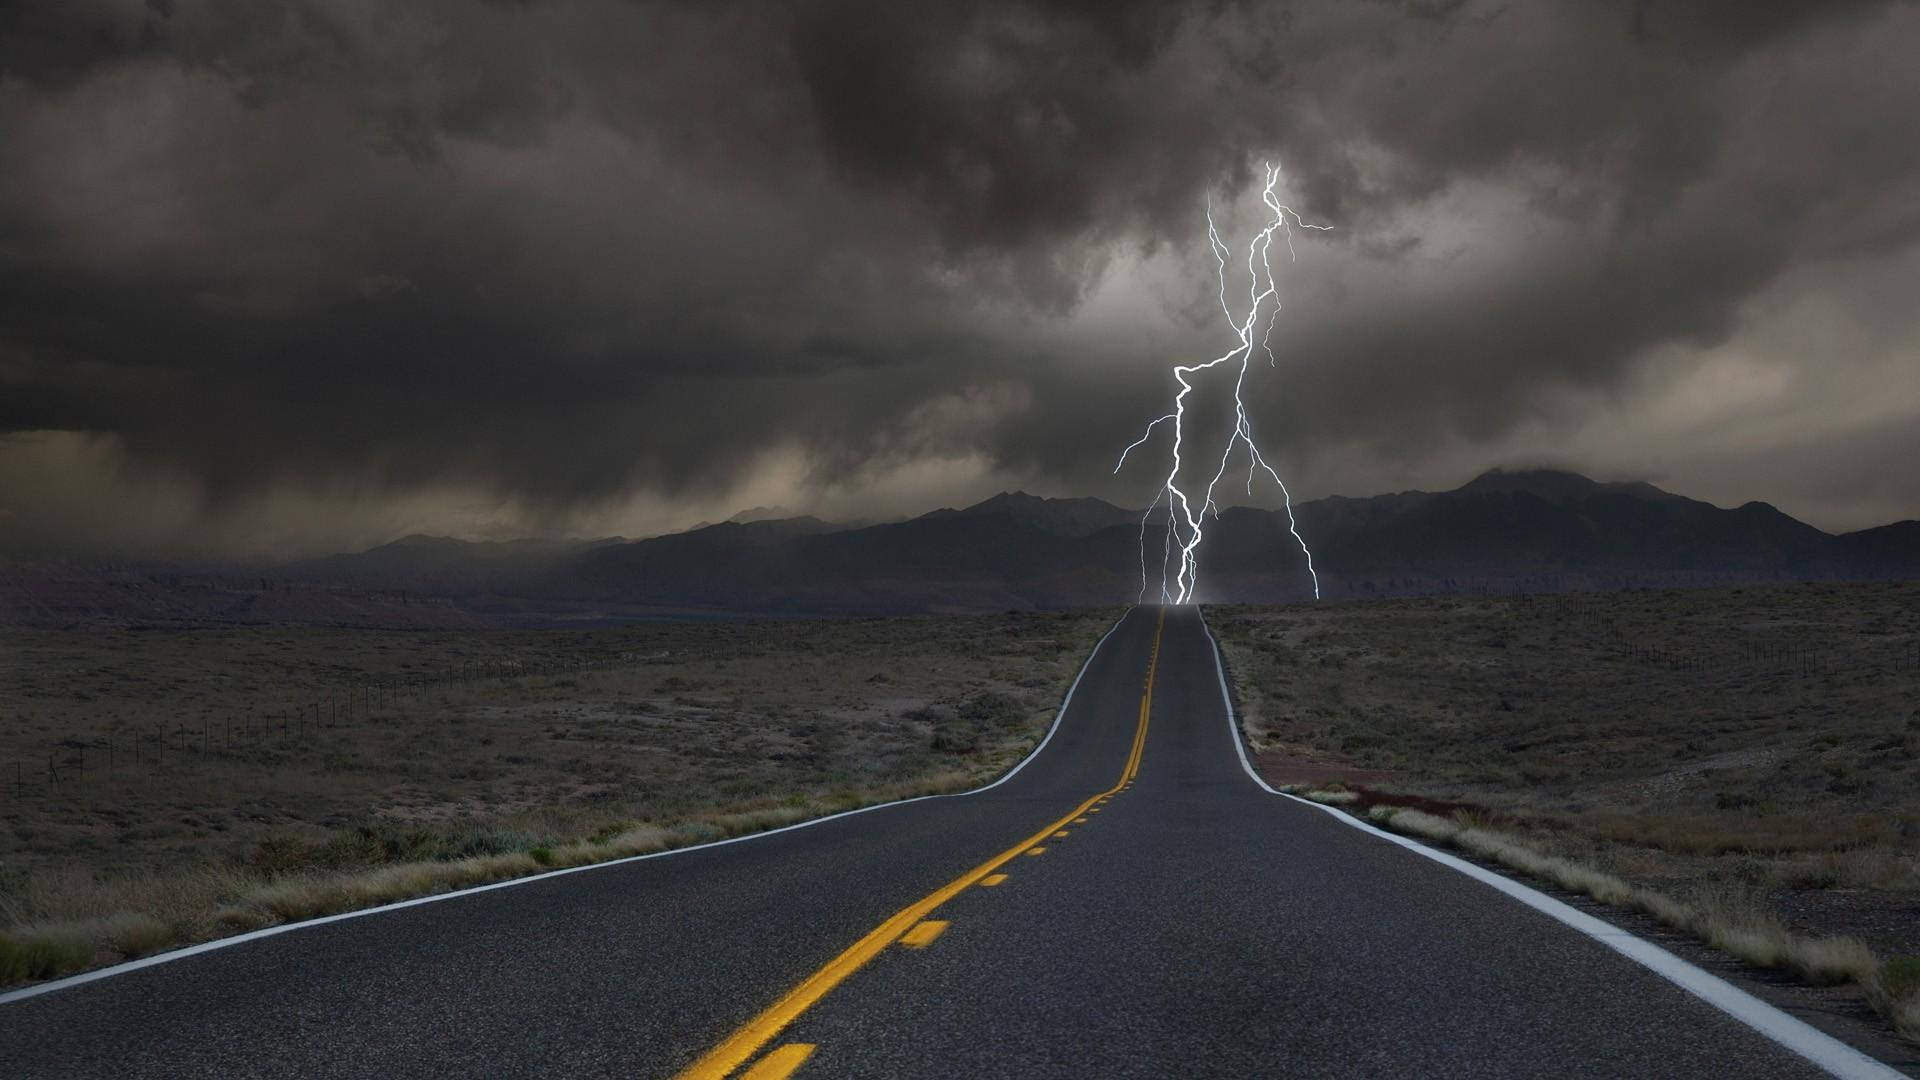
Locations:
1418 822
134 934
1906 1017
42 954
1894 991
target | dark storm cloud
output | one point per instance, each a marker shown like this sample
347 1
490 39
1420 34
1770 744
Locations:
566 251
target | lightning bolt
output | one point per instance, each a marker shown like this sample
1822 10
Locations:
1185 523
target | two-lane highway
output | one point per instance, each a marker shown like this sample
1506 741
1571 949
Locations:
1129 902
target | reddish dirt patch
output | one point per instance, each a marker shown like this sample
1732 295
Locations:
1372 797
1280 768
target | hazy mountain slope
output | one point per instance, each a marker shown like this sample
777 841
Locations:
1537 530
973 559
1888 551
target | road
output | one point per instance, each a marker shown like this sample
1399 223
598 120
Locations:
1130 902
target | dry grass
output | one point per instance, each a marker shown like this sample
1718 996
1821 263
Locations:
740 727
1895 991
1769 807
1758 834
1731 922
44 952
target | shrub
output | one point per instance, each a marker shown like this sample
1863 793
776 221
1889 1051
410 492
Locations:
485 842
991 707
1900 976
949 740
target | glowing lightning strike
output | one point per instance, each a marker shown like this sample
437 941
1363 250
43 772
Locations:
1185 523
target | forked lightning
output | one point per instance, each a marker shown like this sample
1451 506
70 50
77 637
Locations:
1186 516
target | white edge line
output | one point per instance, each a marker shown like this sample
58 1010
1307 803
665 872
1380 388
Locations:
1823 1050
255 935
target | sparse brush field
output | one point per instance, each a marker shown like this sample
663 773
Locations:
194 791
1743 763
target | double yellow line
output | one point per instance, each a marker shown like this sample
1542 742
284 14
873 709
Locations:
723 1059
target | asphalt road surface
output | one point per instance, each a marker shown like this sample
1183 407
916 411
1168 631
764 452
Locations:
1128 903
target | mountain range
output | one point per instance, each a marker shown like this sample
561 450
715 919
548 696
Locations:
1537 531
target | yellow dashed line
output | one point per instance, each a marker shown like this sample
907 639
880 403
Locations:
923 933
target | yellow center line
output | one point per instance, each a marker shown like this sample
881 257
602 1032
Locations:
992 879
720 1061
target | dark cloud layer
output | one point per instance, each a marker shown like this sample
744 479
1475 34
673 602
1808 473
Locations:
573 253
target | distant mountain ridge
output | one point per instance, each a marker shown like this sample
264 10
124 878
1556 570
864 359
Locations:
1057 517
1541 530
1538 529
1532 530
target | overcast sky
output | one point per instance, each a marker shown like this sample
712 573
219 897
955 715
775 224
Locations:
285 276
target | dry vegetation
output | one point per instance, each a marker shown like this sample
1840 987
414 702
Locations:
248 816
1740 763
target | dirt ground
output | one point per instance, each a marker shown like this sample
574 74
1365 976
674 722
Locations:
1760 743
